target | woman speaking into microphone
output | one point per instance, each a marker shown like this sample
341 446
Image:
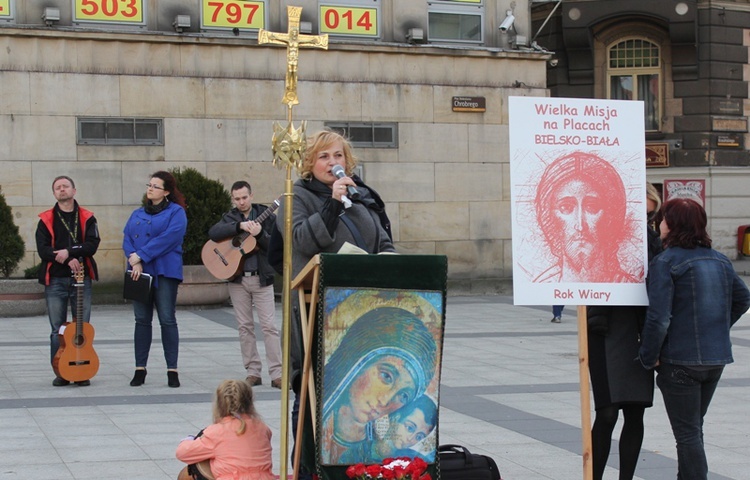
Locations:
325 215
330 210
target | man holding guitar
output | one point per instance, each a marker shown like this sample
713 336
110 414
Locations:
66 236
243 234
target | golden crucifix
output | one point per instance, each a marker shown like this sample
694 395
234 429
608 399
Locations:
288 145
293 40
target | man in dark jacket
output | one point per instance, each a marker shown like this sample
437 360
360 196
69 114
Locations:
67 238
253 285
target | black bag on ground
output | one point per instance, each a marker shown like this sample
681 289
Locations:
457 463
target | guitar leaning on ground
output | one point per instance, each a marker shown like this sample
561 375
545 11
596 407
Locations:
223 259
76 360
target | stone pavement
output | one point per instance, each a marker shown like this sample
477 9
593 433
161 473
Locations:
509 390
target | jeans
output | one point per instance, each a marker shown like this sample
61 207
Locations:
60 293
557 310
164 298
687 393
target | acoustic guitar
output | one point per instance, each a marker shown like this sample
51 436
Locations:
203 468
76 360
223 259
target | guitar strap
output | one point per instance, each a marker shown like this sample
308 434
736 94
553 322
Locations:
355 232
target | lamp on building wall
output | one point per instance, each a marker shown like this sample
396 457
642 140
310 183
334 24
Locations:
181 22
415 35
51 15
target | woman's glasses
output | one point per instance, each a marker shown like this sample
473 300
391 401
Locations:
155 187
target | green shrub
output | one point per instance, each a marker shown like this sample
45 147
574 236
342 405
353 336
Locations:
32 272
12 249
207 200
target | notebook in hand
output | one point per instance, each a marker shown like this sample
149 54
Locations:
138 290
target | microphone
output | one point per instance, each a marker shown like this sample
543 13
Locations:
338 171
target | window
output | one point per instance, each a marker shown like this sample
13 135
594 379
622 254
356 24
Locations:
372 135
456 21
634 73
6 11
120 131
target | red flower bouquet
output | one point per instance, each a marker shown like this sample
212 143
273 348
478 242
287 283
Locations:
402 468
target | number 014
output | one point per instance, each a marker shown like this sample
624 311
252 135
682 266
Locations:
349 21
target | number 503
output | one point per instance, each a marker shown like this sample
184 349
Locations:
130 11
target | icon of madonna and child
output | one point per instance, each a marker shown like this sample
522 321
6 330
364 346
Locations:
380 377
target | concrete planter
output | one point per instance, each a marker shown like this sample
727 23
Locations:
21 297
199 287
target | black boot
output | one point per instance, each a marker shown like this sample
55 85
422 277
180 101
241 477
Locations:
139 378
173 380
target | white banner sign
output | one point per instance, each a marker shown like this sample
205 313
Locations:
578 188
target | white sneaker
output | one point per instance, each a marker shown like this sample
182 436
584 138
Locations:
556 320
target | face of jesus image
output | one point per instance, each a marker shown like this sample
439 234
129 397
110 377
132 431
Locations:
581 210
578 211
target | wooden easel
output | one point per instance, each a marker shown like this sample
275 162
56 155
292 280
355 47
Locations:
306 285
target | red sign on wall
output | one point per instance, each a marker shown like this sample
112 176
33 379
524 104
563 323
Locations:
693 189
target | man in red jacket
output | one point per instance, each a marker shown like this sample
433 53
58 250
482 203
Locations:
67 238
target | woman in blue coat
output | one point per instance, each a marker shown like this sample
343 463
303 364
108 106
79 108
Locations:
153 245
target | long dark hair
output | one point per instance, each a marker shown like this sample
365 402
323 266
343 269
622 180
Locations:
170 184
687 222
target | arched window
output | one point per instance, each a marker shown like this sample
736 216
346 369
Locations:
634 73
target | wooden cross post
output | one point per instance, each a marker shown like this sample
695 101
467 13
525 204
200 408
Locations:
288 145
583 371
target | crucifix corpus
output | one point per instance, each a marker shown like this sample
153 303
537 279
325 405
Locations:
293 40
288 145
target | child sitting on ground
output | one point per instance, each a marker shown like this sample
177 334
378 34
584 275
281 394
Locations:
238 443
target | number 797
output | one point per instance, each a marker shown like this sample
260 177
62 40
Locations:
233 11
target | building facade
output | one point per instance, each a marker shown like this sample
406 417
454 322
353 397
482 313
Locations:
109 91
688 62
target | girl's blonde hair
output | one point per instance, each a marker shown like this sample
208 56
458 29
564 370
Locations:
234 398
321 141
653 194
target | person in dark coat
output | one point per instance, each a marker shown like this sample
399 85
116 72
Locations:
321 223
618 380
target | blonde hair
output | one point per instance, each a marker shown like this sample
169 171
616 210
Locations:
653 194
234 398
321 141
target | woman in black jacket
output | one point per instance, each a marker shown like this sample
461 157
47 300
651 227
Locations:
618 380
